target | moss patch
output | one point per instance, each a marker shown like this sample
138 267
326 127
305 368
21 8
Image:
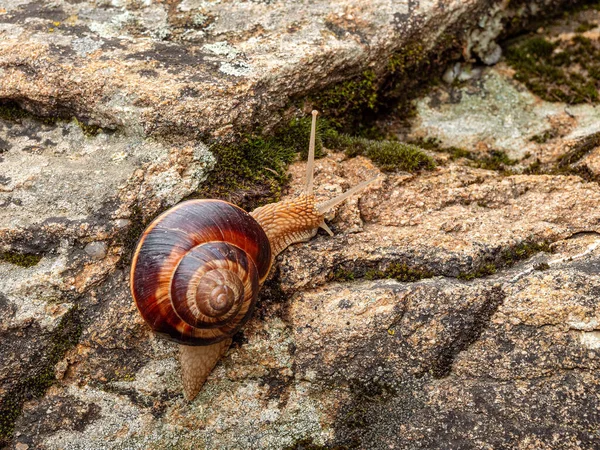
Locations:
567 163
64 337
342 274
88 130
492 160
398 271
20 259
544 137
507 258
388 155
350 98
483 271
563 71
253 172
352 105
579 150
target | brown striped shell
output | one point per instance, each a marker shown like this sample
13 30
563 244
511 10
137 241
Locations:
197 271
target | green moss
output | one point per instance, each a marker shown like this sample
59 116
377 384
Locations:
297 134
454 152
579 150
492 160
20 259
342 275
506 258
567 163
252 172
544 137
348 98
352 105
388 155
400 272
391 155
64 337
88 130
411 56
584 26
535 168
565 71
483 271
523 251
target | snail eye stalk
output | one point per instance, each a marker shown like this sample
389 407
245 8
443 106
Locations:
310 166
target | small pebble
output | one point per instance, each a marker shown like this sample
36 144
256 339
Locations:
493 55
96 250
451 73
122 223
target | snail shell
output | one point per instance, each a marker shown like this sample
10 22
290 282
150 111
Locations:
197 271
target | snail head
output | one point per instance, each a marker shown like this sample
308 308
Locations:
298 219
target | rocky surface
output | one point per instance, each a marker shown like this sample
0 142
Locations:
199 67
452 308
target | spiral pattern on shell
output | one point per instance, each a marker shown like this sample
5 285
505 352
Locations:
197 271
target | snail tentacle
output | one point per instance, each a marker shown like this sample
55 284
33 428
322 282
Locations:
310 164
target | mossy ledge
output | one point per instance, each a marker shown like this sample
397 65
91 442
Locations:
506 258
252 172
36 383
397 270
353 105
20 259
496 160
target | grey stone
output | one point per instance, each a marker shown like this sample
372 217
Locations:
96 250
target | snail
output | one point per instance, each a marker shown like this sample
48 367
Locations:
198 267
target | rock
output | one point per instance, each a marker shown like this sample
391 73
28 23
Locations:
497 114
96 250
351 362
451 73
193 67
452 307
592 161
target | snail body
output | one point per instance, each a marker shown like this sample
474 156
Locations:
199 266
